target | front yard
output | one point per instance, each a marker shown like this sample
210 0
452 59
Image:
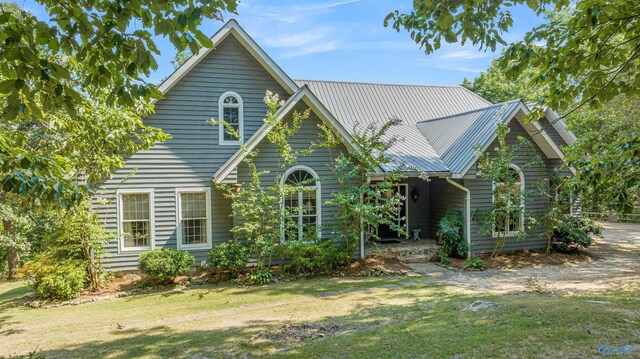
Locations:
388 317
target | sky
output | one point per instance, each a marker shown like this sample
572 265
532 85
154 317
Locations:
345 40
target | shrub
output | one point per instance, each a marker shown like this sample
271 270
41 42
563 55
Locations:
55 279
443 257
574 233
473 264
165 264
261 276
231 256
306 258
450 232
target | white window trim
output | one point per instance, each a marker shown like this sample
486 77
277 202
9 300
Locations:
152 245
509 233
318 188
221 128
208 243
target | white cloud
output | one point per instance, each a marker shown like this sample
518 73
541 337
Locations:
464 54
315 48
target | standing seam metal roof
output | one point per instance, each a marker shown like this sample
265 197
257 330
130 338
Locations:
363 104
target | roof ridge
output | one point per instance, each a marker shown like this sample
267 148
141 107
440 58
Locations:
377 83
468 112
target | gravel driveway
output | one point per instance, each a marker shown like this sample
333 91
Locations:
615 265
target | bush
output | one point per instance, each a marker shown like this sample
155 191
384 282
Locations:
165 264
443 257
231 256
450 232
310 258
55 279
473 264
261 276
574 233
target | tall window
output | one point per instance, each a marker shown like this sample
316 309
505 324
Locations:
194 218
230 112
513 222
136 220
301 204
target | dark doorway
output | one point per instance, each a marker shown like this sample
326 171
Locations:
384 231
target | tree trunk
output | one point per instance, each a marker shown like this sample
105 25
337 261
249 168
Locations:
13 257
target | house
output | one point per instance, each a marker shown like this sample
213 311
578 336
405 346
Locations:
166 196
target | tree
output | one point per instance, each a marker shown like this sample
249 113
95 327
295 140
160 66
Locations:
494 86
506 209
73 91
587 52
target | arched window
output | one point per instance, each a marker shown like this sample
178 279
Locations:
513 223
230 112
301 207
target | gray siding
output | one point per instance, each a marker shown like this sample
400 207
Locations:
193 155
418 210
551 131
443 196
319 160
481 195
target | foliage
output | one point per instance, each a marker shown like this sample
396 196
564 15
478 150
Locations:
165 264
52 278
310 258
255 203
450 232
587 49
231 256
443 257
473 264
507 207
574 233
607 155
362 207
493 86
261 276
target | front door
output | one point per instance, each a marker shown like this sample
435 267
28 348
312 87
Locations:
384 231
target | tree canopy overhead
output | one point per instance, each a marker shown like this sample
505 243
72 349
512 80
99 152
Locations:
73 91
587 52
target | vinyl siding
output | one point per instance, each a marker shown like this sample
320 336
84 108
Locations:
193 155
443 196
551 131
418 210
481 195
319 160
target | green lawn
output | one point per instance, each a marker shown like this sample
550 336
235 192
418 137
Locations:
422 320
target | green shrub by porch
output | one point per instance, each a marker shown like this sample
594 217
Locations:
55 279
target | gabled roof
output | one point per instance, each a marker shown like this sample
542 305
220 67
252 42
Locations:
303 94
231 27
363 104
457 137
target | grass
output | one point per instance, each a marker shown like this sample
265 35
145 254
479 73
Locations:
424 320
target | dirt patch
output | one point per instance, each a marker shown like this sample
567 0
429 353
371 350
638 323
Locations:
377 267
297 332
522 259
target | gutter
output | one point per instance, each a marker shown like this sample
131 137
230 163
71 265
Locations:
467 215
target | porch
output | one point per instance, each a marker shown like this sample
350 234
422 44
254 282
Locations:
425 203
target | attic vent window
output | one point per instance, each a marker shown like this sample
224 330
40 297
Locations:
230 113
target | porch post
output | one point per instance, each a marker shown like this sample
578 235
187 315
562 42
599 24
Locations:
467 214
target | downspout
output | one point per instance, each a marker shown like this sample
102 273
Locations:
467 210
362 254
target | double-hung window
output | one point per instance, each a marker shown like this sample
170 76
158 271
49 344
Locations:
194 218
136 220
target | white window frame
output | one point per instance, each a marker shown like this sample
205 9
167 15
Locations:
152 229
318 189
221 127
509 233
208 243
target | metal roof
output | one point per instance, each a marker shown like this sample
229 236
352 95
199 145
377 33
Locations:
362 104
456 138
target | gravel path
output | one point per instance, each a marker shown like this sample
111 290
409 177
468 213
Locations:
615 265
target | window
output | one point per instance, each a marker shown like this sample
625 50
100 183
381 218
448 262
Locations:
513 224
194 218
301 204
136 220
230 112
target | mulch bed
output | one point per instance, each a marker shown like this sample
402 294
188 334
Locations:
297 332
526 258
